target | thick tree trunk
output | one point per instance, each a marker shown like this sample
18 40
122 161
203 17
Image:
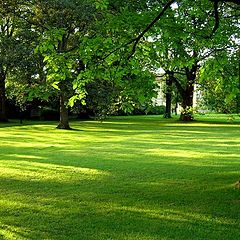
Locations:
64 119
187 94
187 104
168 98
3 114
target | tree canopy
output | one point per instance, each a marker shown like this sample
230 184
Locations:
105 54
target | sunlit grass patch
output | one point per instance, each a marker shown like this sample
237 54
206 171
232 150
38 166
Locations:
34 171
141 178
13 232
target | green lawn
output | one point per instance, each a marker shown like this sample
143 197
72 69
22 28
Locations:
130 178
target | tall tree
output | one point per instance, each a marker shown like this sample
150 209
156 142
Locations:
182 45
11 47
63 23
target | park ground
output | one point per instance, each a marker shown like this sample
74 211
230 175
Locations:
126 178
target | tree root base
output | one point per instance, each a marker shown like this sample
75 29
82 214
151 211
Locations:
64 126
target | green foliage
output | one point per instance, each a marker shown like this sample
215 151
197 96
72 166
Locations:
23 93
220 84
59 64
49 41
156 110
102 4
181 44
16 38
82 43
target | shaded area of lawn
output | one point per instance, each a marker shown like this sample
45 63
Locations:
126 178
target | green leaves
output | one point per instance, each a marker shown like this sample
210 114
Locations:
220 82
55 85
79 96
49 41
101 4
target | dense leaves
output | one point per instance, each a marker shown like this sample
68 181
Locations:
105 54
220 83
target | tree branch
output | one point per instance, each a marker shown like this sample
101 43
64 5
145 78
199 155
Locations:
209 53
177 84
136 40
216 16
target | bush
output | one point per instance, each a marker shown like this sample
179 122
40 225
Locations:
156 110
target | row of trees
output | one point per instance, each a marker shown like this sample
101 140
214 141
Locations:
111 50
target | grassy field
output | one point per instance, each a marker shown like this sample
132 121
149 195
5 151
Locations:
128 178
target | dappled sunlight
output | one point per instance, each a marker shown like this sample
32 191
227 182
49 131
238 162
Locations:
194 158
203 124
176 153
22 156
175 215
140 178
34 171
9 232
161 213
59 210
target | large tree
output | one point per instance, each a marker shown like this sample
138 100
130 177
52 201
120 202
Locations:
182 44
14 40
63 24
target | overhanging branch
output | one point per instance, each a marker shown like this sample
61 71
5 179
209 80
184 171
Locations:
150 25
136 40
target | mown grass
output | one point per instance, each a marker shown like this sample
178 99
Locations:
132 178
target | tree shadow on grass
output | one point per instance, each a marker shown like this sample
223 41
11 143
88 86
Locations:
49 197
16 123
106 209
119 186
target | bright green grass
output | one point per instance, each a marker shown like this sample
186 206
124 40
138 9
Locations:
128 178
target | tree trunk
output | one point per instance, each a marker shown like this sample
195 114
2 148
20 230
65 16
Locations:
168 98
3 114
187 94
187 104
64 120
